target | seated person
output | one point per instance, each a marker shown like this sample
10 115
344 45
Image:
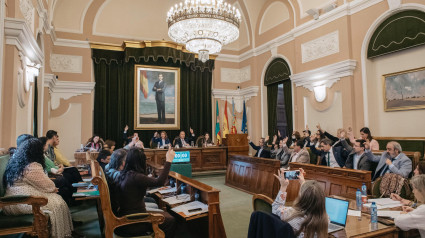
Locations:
308 215
420 169
332 156
113 172
24 175
206 140
364 135
335 139
391 161
135 142
295 136
298 154
357 159
103 158
262 150
53 152
182 141
94 144
414 218
127 139
132 186
278 153
306 133
162 140
109 145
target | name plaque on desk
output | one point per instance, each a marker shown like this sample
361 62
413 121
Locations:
182 157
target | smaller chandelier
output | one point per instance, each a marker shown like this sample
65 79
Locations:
204 26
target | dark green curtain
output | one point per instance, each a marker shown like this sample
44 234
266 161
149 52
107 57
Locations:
271 108
287 90
114 91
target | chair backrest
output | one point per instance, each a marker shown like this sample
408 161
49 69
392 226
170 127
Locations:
391 183
199 141
4 159
261 202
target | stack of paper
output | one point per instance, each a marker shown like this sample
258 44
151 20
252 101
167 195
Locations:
177 199
383 203
188 208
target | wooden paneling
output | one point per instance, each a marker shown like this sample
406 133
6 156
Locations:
237 144
335 181
202 159
253 175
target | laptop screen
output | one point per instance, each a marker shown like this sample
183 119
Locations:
337 210
182 157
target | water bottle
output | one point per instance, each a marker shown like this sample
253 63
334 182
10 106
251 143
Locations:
172 182
364 189
192 143
373 214
197 196
182 188
358 199
157 145
82 148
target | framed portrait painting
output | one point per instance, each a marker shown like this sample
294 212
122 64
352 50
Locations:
157 97
404 90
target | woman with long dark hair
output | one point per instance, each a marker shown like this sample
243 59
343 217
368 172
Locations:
308 215
94 144
24 175
366 135
131 187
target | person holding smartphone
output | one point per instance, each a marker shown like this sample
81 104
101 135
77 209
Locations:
308 215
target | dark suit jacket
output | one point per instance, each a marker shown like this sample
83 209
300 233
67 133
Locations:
267 225
334 139
265 153
364 161
160 95
159 141
188 140
340 154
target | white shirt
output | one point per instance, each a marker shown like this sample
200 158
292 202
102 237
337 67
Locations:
356 159
259 152
332 160
412 220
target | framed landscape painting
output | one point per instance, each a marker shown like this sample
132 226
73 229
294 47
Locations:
404 90
157 97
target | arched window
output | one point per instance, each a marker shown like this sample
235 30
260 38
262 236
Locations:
400 31
279 97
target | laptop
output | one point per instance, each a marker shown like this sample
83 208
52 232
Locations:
337 210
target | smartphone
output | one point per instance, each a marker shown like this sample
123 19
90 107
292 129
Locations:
292 174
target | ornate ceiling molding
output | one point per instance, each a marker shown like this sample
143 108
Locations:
65 89
229 75
18 33
319 79
238 95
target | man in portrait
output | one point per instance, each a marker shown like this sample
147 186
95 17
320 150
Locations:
159 88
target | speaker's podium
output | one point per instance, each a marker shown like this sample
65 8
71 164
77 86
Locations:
181 164
236 144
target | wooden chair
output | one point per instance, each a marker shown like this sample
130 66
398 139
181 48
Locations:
198 141
111 221
34 224
261 202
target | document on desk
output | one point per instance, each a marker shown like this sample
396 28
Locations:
383 203
354 213
163 190
177 199
392 214
192 208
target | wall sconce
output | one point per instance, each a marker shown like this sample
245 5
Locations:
314 12
320 93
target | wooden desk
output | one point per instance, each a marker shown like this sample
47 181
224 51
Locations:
208 195
237 144
201 158
82 158
253 174
334 181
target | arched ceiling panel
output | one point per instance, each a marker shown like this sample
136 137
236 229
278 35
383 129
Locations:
68 15
276 13
139 20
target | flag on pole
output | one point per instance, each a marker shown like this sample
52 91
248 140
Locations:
225 121
217 125
144 86
233 130
244 128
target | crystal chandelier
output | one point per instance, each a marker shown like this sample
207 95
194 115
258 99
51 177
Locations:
204 26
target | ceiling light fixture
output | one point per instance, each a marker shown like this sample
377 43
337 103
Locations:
204 26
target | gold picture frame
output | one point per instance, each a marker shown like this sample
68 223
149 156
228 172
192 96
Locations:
404 90
156 97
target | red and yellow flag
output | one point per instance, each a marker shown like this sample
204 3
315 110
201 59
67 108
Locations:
144 87
225 122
